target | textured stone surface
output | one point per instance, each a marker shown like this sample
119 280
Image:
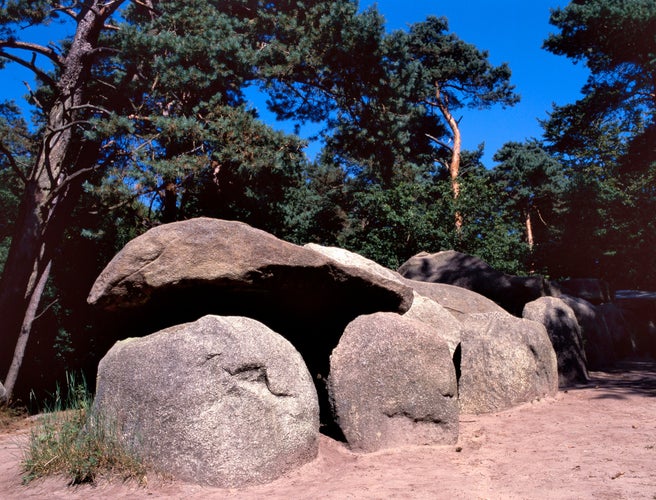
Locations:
433 314
505 361
565 334
639 309
423 308
393 383
227 256
595 291
353 259
221 401
466 271
460 302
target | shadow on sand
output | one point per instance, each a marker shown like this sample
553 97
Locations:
626 377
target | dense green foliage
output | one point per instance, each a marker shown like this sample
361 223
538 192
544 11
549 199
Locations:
607 140
164 131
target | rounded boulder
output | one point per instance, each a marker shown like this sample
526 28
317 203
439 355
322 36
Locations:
223 401
393 383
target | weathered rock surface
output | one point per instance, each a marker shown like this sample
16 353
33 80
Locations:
622 334
423 308
460 302
639 308
466 271
353 259
597 339
505 361
3 393
434 315
565 334
393 383
221 401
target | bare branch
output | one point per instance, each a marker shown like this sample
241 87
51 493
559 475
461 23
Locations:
49 52
12 162
440 142
33 96
29 65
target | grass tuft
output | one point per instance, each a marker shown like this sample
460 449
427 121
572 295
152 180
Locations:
70 440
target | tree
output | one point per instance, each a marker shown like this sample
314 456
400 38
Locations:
607 137
533 183
143 100
389 133
456 74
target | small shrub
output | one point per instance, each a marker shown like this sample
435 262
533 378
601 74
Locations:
70 440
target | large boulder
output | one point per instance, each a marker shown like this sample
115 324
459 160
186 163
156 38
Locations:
228 264
466 271
393 383
222 401
597 339
593 290
622 333
639 308
505 361
459 302
565 334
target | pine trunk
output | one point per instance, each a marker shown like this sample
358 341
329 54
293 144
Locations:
53 188
454 163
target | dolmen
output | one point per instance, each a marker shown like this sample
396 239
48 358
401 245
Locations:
234 349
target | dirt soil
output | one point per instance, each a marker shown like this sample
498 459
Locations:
596 441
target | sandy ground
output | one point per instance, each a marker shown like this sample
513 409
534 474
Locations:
596 441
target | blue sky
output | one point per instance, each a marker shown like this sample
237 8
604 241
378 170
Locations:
512 31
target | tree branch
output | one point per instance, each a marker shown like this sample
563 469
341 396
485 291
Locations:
33 47
31 66
12 162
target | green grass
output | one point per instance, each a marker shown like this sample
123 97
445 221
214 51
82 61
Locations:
69 440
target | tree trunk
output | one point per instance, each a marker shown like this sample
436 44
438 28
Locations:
529 229
529 239
454 164
52 189
26 329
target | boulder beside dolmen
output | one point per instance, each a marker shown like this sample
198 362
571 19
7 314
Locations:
467 271
222 401
565 334
505 361
392 383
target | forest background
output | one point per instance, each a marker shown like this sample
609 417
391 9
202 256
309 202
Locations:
142 117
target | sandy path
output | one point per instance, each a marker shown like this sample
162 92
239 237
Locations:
597 441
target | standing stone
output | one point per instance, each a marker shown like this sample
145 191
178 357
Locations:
565 334
393 383
505 361
223 401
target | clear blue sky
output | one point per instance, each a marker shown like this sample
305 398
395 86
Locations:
511 31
